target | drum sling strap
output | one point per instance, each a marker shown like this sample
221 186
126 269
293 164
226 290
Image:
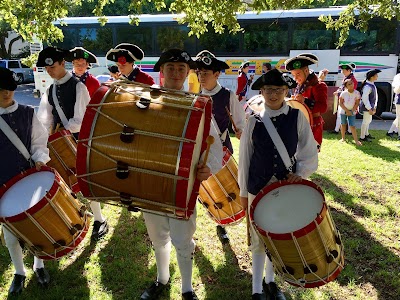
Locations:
276 139
60 112
15 140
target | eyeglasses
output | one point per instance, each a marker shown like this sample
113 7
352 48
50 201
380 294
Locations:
270 91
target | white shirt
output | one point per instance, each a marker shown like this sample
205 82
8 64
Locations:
103 78
39 136
306 153
396 84
349 100
82 99
365 95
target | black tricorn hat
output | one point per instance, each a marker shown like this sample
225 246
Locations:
371 73
130 52
206 60
244 65
174 55
348 66
300 61
48 56
273 77
79 52
113 69
7 81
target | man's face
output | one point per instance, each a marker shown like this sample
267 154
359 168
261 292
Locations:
125 68
6 98
207 78
346 72
57 70
300 75
80 66
175 74
274 95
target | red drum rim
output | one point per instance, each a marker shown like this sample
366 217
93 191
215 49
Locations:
42 202
300 232
59 134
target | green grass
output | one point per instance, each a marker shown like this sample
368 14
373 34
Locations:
361 187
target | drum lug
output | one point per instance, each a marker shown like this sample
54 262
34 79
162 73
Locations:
127 134
125 198
218 205
133 208
333 254
82 211
75 229
155 93
338 240
231 197
288 270
122 170
143 103
74 195
310 268
59 243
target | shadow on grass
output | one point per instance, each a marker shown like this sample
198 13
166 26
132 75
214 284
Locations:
227 280
371 148
367 261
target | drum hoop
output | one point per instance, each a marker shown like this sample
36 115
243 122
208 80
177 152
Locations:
310 116
300 232
42 202
59 134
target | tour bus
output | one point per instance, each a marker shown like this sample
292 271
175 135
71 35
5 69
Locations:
270 36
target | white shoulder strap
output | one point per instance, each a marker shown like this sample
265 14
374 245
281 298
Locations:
60 112
14 139
276 139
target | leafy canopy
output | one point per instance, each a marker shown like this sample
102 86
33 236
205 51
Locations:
32 18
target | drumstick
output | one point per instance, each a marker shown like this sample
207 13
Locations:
230 117
57 127
248 228
209 141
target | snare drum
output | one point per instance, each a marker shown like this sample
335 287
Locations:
39 209
220 194
139 148
294 221
62 148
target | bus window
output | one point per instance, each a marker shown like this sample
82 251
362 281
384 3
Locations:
137 35
97 40
312 35
168 37
267 37
219 44
69 40
380 38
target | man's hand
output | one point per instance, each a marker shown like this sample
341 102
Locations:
238 134
300 98
203 172
291 177
39 164
245 202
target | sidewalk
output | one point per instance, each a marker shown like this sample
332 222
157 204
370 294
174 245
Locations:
376 124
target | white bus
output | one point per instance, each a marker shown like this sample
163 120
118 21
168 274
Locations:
270 36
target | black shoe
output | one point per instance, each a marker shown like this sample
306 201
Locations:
391 134
17 284
272 292
258 296
42 276
333 132
370 137
99 230
222 234
365 139
189 296
348 133
153 291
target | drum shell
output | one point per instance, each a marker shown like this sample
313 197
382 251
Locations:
214 191
146 191
26 225
62 151
288 249
303 108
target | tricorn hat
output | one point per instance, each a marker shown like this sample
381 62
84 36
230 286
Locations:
206 60
174 55
79 52
273 77
49 55
300 61
125 52
7 81
371 73
348 66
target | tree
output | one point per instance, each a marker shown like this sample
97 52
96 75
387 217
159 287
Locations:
5 50
33 17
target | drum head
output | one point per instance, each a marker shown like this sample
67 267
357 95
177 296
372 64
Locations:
25 193
288 208
256 103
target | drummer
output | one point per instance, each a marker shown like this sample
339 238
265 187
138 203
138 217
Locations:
174 64
261 164
64 102
125 55
209 69
309 91
81 60
23 121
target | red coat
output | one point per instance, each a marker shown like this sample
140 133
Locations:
145 78
92 84
242 85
